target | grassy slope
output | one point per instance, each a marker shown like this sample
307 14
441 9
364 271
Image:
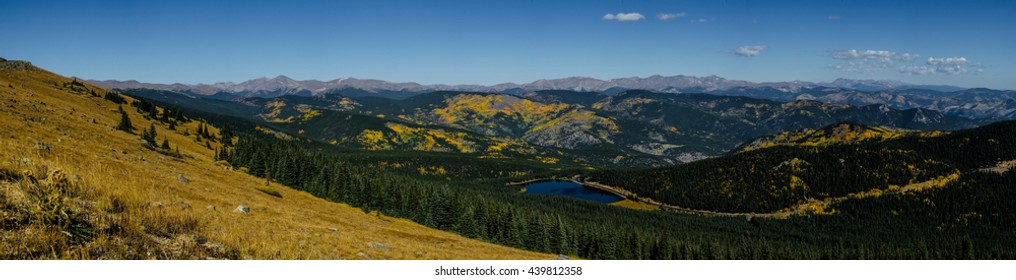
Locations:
135 206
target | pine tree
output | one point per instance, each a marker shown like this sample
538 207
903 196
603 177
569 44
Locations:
149 134
203 130
165 144
125 122
559 237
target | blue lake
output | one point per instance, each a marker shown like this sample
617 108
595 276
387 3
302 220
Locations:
570 189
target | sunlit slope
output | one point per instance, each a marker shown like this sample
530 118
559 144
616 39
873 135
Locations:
840 133
72 186
787 176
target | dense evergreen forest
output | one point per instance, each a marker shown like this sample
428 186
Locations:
972 220
776 178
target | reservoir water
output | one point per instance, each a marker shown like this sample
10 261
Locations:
571 189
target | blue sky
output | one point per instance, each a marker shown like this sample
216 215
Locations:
966 43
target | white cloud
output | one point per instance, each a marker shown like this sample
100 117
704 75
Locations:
909 56
701 20
917 70
624 17
750 51
867 61
947 61
671 16
865 54
834 17
943 65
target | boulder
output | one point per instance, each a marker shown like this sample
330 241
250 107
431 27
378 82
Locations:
243 209
378 246
182 179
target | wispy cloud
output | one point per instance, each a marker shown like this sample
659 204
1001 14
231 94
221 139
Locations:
624 17
834 17
944 65
671 16
867 61
750 51
700 20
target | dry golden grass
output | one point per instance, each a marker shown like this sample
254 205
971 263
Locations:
134 205
637 205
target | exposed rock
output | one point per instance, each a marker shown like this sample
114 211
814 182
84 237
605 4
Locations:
183 205
378 246
242 209
17 65
690 157
363 255
182 179
658 149
562 257
210 207
333 229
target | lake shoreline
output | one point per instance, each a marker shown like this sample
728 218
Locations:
627 195
567 187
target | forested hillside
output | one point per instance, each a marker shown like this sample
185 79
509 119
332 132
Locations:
780 177
486 210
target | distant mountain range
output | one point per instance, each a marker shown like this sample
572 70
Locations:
630 128
672 84
977 103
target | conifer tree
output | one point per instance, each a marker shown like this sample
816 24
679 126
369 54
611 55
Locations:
125 122
149 134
